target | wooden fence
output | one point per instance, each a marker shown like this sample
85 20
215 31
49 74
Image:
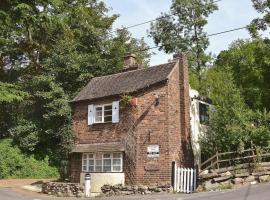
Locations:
185 180
226 159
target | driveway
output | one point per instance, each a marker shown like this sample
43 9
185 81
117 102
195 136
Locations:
252 192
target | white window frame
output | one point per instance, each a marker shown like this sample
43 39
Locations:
102 113
102 165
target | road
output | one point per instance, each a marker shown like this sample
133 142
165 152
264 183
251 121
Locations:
252 192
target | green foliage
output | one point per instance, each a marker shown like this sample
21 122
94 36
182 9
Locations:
249 62
45 129
182 29
14 164
49 51
233 126
263 22
125 100
10 93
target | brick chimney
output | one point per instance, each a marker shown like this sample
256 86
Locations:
130 62
185 109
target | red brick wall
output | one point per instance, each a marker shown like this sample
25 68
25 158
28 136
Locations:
152 130
75 167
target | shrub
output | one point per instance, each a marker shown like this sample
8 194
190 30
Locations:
15 164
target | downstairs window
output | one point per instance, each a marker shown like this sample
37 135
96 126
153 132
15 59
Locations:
102 162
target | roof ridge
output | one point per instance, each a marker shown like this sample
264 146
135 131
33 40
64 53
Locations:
132 71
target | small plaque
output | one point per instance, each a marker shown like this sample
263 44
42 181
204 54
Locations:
151 167
153 151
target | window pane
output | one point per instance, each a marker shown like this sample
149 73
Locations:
204 114
116 161
108 113
98 162
84 162
91 168
91 162
84 168
90 155
117 155
116 168
98 169
108 119
98 156
108 107
98 108
84 156
107 162
106 155
106 168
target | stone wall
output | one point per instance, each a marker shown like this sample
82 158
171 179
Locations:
63 189
109 190
234 177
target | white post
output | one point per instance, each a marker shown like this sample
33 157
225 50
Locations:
185 180
195 179
87 185
191 179
188 178
179 178
182 177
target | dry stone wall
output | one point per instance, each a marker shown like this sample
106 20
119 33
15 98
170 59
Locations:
220 179
63 189
110 190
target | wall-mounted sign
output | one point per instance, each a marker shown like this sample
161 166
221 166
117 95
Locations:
153 151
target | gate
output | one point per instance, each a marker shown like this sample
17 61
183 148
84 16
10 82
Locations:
185 180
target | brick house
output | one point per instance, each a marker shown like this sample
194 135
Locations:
136 141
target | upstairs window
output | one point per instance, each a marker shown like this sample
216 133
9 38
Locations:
104 113
204 113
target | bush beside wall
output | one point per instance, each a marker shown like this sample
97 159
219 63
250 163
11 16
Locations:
15 164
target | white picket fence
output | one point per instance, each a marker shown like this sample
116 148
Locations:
185 180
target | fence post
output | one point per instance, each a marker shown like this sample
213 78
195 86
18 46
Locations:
182 178
185 180
175 178
195 180
179 179
191 180
217 160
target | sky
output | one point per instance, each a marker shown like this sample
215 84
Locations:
231 14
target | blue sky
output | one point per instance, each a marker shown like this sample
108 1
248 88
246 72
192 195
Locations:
231 14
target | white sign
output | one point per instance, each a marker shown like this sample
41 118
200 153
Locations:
153 151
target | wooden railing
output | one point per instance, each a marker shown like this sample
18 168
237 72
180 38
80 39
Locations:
227 159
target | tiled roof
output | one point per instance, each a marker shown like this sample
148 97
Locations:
125 82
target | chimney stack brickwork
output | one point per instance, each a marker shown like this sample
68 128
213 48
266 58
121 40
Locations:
187 156
130 62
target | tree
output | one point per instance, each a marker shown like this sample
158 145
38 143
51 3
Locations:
181 29
248 60
50 49
233 126
10 93
262 23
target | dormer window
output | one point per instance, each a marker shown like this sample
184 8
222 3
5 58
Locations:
103 113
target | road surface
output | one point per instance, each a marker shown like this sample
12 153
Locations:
252 192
